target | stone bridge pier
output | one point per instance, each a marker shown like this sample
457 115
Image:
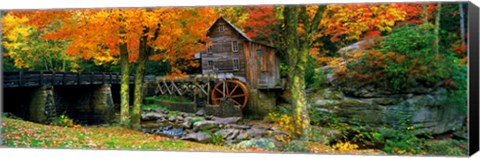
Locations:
89 104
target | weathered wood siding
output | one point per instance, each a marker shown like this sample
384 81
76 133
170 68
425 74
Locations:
262 66
258 63
222 54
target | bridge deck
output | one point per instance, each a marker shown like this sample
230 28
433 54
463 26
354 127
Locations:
30 79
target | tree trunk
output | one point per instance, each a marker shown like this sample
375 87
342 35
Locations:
138 92
436 31
425 13
462 23
124 89
296 73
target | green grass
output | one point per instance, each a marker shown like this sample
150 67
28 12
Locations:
176 99
18 133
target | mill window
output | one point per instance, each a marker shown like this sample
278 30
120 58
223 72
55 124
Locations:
236 64
221 28
234 46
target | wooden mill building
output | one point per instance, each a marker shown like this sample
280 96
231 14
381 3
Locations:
231 51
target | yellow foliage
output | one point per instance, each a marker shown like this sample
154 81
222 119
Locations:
283 122
343 147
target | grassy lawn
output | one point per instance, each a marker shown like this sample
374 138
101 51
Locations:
19 133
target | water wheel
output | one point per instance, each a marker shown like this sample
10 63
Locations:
233 89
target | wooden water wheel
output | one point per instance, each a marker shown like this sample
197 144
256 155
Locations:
233 89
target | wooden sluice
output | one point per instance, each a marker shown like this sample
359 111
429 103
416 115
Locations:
212 87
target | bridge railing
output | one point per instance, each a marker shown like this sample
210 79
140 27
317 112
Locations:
38 78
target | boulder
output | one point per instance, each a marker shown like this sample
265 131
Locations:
229 133
205 125
325 135
427 112
256 132
226 120
200 112
263 143
151 116
237 126
243 135
198 137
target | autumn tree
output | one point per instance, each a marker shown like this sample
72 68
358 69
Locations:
28 51
356 21
132 36
300 29
262 24
237 15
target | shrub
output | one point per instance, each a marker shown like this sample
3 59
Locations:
63 121
447 147
403 60
343 147
283 122
403 139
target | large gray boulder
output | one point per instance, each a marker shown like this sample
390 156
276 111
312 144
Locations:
428 112
205 125
198 137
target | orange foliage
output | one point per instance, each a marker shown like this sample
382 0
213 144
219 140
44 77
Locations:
174 33
356 21
261 22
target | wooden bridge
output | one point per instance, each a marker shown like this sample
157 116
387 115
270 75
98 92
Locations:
40 78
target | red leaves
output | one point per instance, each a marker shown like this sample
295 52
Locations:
261 21
461 49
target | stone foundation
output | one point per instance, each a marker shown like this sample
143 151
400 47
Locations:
260 103
42 105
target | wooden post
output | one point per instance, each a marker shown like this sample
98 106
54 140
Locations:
20 77
63 78
103 77
40 80
53 78
111 81
79 75
92 78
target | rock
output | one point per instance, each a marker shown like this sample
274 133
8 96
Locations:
227 108
236 126
179 118
159 110
208 117
226 120
151 116
325 135
171 118
200 112
243 135
297 146
256 132
427 111
186 125
263 143
329 93
198 137
205 125
229 134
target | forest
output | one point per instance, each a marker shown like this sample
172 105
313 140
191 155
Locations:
379 78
